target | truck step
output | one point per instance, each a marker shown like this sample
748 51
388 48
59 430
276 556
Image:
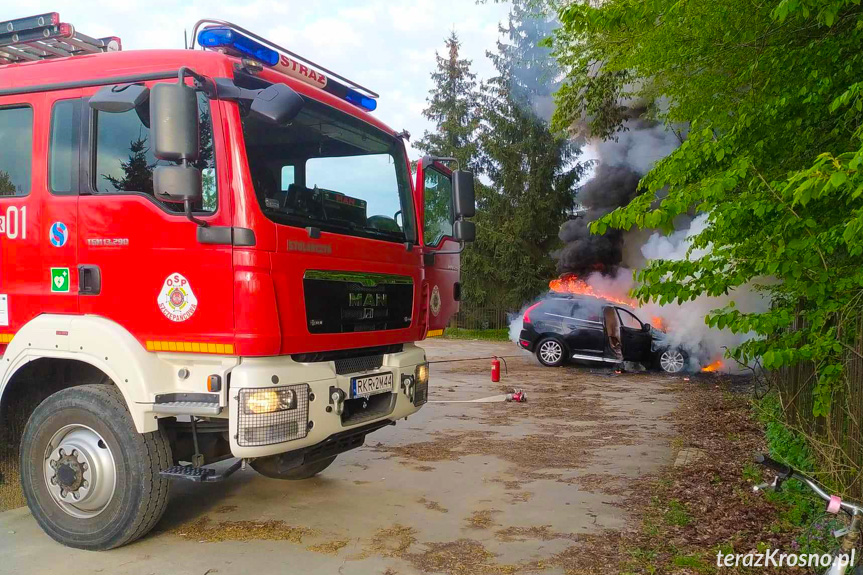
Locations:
188 407
200 474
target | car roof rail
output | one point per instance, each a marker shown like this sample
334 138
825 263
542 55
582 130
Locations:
44 36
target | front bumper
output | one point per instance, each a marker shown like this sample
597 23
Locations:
316 418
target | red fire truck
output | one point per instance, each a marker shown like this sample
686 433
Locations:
207 254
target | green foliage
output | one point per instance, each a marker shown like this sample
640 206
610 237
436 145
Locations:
770 93
800 507
452 107
7 186
484 334
531 168
791 448
676 514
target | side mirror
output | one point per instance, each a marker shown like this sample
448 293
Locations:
177 184
463 201
119 98
277 104
174 122
645 327
464 231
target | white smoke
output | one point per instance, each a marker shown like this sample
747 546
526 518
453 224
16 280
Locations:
639 147
684 322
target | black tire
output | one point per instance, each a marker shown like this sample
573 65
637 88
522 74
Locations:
140 494
547 356
269 467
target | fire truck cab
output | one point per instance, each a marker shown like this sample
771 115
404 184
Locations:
205 254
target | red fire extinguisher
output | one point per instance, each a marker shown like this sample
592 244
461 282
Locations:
495 369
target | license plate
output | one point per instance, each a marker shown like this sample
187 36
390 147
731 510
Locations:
371 384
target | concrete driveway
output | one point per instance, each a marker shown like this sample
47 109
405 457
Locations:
459 488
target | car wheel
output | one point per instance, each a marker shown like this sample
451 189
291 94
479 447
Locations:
90 479
672 360
550 352
269 467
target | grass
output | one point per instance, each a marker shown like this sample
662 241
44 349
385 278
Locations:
484 334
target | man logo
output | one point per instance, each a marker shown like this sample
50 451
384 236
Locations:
367 300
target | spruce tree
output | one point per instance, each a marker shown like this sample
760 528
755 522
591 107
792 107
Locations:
532 170
7 187
452 108
137 172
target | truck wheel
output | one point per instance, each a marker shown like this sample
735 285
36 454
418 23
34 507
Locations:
550 352
90 479
269 467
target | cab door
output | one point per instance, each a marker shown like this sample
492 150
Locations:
442 265
142 262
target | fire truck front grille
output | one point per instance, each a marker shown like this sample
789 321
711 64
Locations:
255 429
355 364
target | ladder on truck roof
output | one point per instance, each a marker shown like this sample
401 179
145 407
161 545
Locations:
43 36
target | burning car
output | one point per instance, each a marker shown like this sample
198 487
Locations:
566 326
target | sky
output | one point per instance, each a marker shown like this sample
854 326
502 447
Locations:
387 45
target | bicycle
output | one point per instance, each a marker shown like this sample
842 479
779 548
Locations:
848 536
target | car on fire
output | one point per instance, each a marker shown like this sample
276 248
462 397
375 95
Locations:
564 327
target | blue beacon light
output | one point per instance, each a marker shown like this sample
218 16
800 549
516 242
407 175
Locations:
227 38
358 99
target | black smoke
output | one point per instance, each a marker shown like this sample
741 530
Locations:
584 253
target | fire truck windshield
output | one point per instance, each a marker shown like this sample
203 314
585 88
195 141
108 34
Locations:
332 171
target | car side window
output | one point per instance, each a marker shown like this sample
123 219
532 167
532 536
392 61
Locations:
125 160
628 320
559 308
16 157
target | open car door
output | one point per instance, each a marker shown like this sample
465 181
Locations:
443 206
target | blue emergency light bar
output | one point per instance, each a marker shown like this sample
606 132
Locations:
226 38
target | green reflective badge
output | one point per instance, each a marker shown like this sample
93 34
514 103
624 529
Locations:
60 280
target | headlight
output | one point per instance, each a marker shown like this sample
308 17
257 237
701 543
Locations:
270 401
422 374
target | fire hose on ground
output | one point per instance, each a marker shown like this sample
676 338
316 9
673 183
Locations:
517 395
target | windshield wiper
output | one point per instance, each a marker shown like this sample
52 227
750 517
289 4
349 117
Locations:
344 225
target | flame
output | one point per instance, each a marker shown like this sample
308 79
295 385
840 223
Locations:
573 284
659 323
715 366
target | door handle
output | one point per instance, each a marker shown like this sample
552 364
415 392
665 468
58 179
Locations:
89 280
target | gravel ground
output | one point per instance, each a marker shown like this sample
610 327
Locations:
459 488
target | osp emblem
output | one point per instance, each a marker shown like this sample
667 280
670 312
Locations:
59 234
176 299
435 303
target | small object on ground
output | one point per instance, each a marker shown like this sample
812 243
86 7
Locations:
685 379
518 396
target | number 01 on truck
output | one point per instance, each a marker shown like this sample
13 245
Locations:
205 254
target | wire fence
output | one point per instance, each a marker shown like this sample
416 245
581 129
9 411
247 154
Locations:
481 318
